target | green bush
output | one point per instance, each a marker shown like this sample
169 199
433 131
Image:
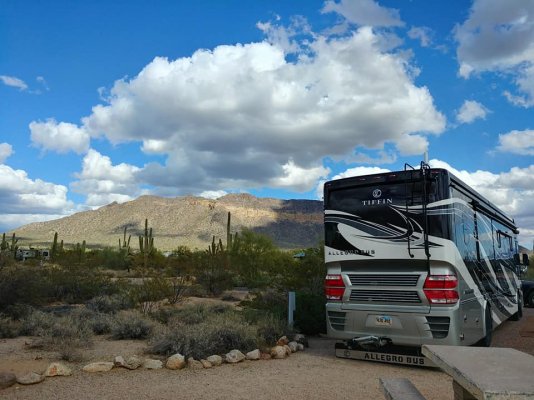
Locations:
101 323
21 285
266 302
151 289
131 325
310 313
271 328
76 285
8 327
36 323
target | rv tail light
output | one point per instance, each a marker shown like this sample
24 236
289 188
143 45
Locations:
441 289
334 287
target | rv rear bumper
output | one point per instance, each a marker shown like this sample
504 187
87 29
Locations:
400 328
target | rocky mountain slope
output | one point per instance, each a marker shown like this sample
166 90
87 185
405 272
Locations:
189 221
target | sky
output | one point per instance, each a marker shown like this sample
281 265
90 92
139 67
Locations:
104 101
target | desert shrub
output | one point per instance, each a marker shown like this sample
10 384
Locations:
151 289
101 324
9 328
271 328
197 313
109 304
131 325
213 272
36 323
266 302
219 334
310 313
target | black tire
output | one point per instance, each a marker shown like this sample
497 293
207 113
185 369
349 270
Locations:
519 314
530 298
488 325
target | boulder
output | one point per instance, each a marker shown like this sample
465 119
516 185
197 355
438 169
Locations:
194 364
150 363
300 347
234 356
206 364
58 369
288 350
293 346
278 352
265 356
99 366
253 355
282 341
30 379
133 362
176 361
7 379
215 360
300 338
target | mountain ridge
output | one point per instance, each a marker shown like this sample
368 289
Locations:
184 221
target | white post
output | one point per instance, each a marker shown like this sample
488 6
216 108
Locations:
291 304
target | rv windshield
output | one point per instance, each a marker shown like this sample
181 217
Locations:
373 198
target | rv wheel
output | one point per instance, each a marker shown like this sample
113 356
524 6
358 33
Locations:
488 324
517 316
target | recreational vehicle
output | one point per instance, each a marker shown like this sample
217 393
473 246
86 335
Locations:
416 257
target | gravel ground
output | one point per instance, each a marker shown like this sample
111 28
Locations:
313 374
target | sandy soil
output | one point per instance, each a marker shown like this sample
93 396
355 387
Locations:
313 374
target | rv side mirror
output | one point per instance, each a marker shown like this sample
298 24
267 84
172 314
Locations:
526 261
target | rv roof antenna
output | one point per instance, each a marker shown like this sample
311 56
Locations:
425 157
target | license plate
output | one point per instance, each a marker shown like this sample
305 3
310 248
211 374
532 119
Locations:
383 320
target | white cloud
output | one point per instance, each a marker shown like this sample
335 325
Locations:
5 151
213 194
421 33
13 82
231 118
499 36
470 111
364 13
356 171
21 195
517 142
62 138
512 192
102 182
299 179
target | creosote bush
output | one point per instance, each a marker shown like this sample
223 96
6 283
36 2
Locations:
109 304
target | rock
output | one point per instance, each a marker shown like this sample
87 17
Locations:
215 360
300 338
119 361
58 369
99 366
176 361
253 355
150 363
282 341
133 362
7 379
293 346
234 356
206 364
278 352
288 350
194 364
265 356
30 379
300 347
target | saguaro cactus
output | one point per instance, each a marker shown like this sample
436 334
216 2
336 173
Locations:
146 244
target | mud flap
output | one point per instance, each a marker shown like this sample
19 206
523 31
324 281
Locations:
388 354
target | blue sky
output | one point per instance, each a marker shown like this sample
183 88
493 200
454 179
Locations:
105 101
